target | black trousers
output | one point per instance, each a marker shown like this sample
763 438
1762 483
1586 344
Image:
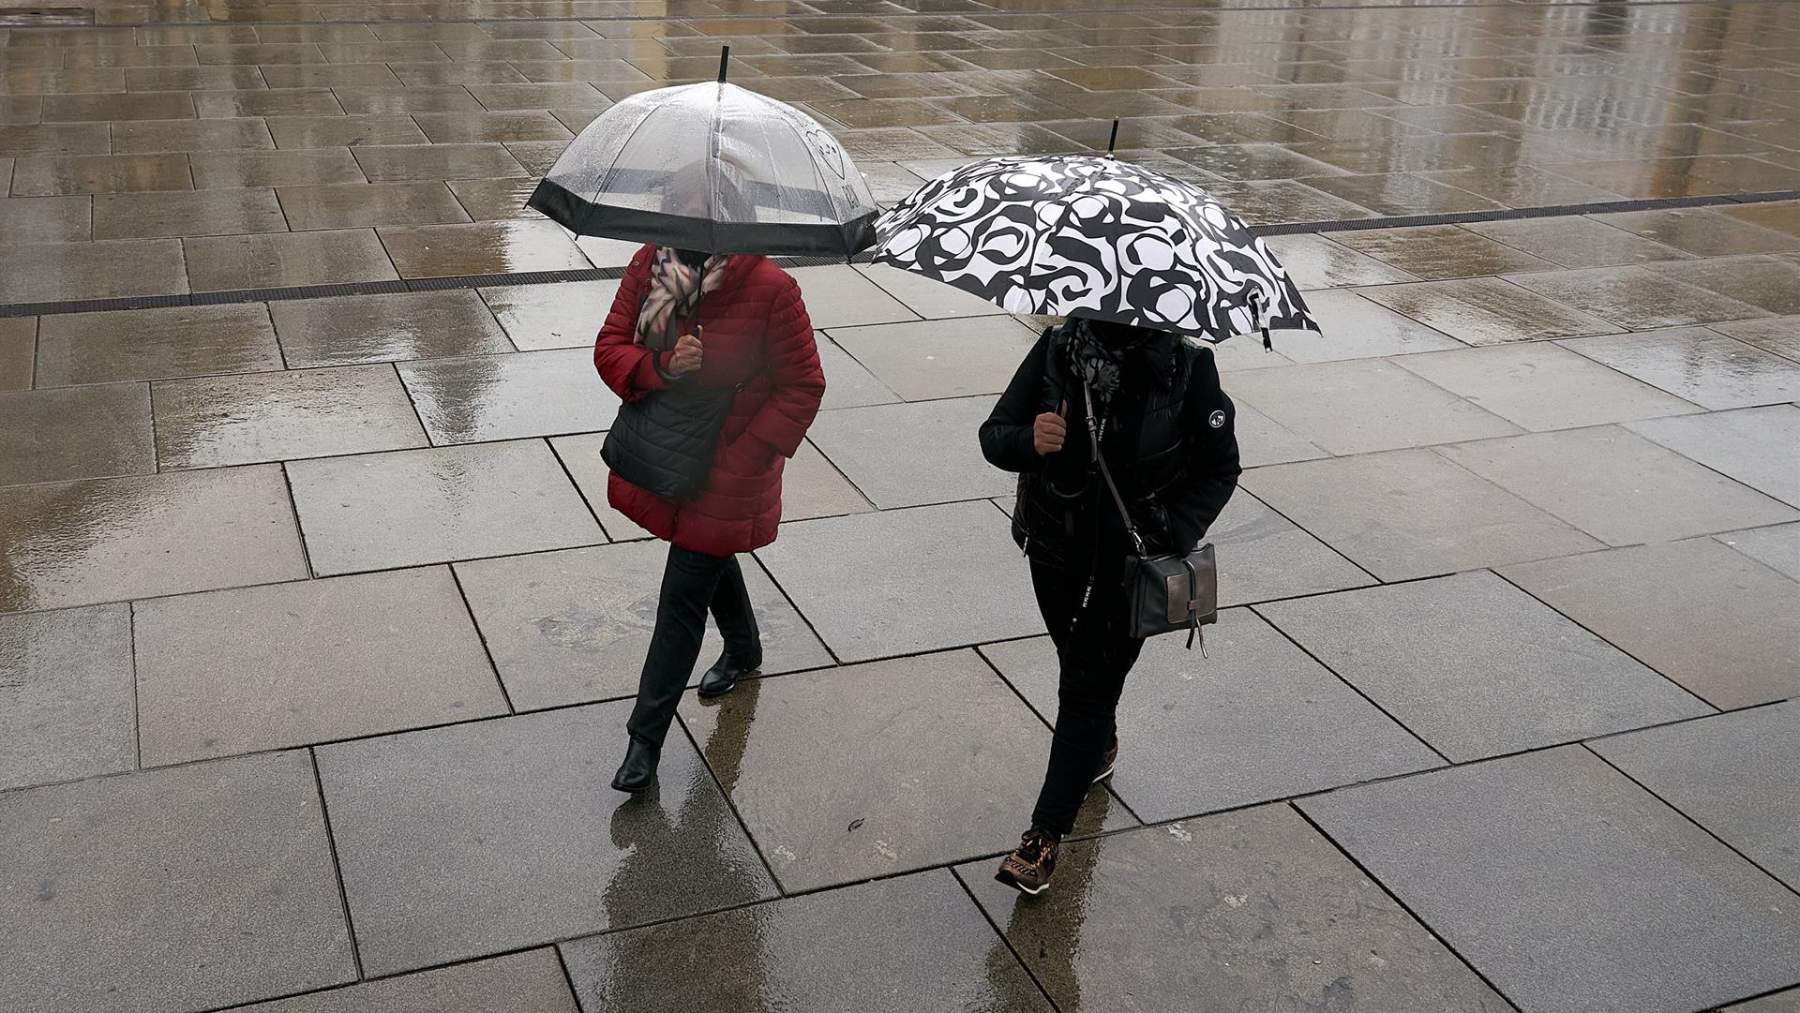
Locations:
693 583
1094 652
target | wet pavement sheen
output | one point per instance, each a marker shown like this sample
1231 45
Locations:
270 545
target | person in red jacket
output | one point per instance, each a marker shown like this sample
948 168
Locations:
740 323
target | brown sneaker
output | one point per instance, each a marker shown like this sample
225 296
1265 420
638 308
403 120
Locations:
1107 759
1028 868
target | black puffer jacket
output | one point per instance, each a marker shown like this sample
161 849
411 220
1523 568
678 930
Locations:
1170 445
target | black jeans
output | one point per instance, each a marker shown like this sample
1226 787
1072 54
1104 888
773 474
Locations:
693 583
1094 655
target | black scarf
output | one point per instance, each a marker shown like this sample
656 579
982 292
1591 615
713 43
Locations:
1095 352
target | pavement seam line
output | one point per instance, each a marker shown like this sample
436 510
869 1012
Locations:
337 865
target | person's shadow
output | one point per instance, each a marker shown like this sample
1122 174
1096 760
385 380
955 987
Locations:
718 961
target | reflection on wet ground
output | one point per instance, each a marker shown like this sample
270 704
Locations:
325 583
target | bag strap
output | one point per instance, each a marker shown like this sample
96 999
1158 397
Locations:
1137 542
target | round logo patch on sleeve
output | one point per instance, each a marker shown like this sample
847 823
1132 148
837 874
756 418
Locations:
1216 419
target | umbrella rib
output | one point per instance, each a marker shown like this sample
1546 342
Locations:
606 179
823 188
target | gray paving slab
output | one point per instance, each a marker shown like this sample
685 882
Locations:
1252 910
1477 667
528 982
832 774
1718 622
566 315
1616 485
1315 262
1759 447
154 344
813 953
411 507
1570 887
1636 298
472 839
903 455
211 422
1540 385
1774 334
18 352
1778 546
1263 555
1252 720
838 296
848 384
1736 774
1356 328
1261 440
77 543
1363 405
1412 513
65 695
310 661
507 397
1782 1002
346 330
1698 364
68 433
574 626
925 579
581 456
166 891
940 358
927 297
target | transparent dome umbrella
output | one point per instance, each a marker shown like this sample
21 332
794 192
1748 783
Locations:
1092 236
711 167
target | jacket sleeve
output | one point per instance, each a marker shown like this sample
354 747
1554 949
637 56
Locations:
797 381
1006 435
1210 474
627 367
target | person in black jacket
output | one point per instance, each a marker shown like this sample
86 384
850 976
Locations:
1166 430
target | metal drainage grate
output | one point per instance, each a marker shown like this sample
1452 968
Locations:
38 17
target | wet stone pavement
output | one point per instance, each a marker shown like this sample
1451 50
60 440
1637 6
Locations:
317 634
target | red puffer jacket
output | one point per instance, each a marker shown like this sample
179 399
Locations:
753 324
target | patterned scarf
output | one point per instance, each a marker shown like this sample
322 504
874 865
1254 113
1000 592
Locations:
1099 359
675 292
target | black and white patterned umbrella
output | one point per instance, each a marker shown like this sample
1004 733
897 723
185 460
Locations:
1084 234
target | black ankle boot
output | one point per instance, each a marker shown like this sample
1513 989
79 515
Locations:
639 768
723 677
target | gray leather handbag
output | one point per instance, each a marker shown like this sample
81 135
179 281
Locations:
1169 592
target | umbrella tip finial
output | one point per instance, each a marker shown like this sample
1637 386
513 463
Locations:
1114 139
724 58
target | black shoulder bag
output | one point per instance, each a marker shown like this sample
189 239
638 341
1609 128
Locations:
1167 592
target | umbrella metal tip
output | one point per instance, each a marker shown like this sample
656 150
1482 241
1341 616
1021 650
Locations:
724 58
1113 141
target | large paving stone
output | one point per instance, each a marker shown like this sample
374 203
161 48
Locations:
76 543
1261 440
291 664
1569 887
379 328
847 383
864 771
1714 620
1698 364
505 397
67 433
1617 486
65 695
379 511
814 953
565 315
1251 910
1778 546
927 297
154 344
1364 405
1540 385
18 351
1263 555
838 296
529 982
1255 720
1412 513
1637 298
1477 667
476 838
574 626
1781 1002
1356 328
903 455
169 890
1759 447
215 421
924 579
1736 774
940 358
